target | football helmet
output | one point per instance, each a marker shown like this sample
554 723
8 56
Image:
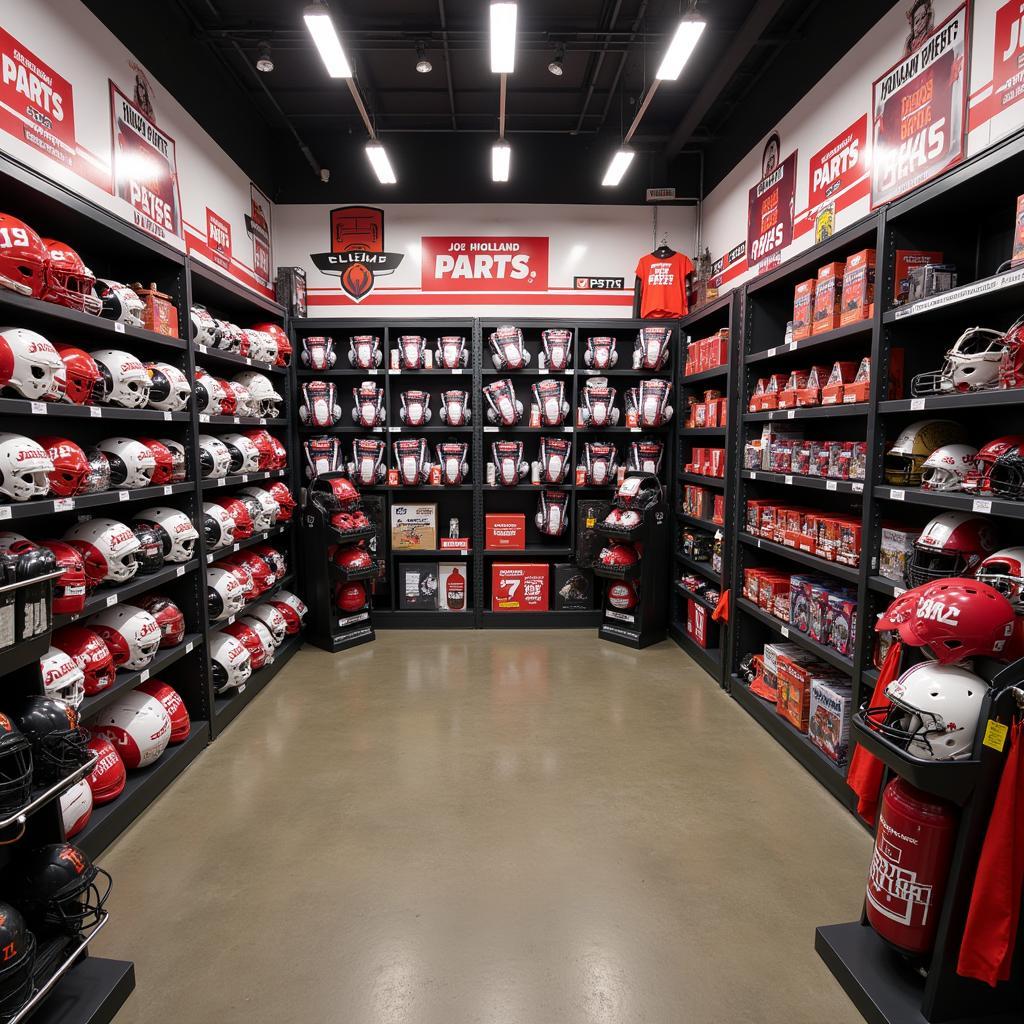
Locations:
226 397
25 468
214 458
293 609
208 393
352 558
132 464
164 461
269 508
1006 479
638 492
618 554
266 398
62 677
131 633
58 741
225 593
108 549
150 556
318 353
245 404
22 258
255 637
15 766
337 494
99 472
70 466
126 381
18 944
205 330
951 544
623 595
91 654
258 570
108 778
177 533
69 282
350 597
979 480
82 377
953 618
169 618
1004 571
232 338
286 504
218 526
972 364
905 459
284 347
262 346
119 302
230 662
239 512
266 445
933 712
1011 368
948 467
245 456
273 619
30 365
178 462
69 590
170 389
274 558
173 705
137 725
60 890
76 808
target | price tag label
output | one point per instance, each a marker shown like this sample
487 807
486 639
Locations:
245 478
995 735
38 408
5 511
753 475
168 489
95 412
118 327
229 620
237 419
456 372
635 430
111 600
190 647
263 421
758 541
790 414
122 495
209 558
897 591
63 504
180 571
789 481
791 345
857 488
771 413
916 404
168 416
396 430
235 547
784 630
981 505
831 485
771 352
204 417
248 361
143 675
202 348
490 430
897 495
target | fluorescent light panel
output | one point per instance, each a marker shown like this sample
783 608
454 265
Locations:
325 36
503 38
684 42
618 167
381 164
501 159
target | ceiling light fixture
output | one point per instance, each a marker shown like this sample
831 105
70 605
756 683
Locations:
556 67
264 61
501 160
423 66
503 38
618 167
325 37
381 164
682 46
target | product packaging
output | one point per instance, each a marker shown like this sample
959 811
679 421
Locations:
573 587
803 309
414 527
907 260
504 530
828 298
829 719
452 586
859 287
519 586
417 586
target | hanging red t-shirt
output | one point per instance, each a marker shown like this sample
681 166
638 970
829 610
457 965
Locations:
663 286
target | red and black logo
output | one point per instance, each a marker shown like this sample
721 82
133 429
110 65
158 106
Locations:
357 253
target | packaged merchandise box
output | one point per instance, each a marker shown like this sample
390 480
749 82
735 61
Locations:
414 527
520 586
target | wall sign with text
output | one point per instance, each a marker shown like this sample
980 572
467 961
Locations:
484 263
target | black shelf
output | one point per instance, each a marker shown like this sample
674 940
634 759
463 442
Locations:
431 430
952 500
561 429
817 483
882 585
530 551
227 709
105 597
438 553
704 481
244 478
822 651
979 298
64 410
704 524
702 432
341 428
708 658
108 501
537 488
206 354
143 787
704 568
240 545
713 374
402 488
92 992
286 581
245 421
303 372
212 288
792 351
966 400
837 569
689 595
618 430
808 412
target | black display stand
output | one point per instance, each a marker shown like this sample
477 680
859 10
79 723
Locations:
646 623
327 628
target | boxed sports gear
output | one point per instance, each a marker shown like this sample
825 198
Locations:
858 287
574 588
906 261
417 586
797 673
931 279
291 290
519 586
803 309
829 719
897 549
159 314
588 542
505 530
414 527
828 298
697 623
451 589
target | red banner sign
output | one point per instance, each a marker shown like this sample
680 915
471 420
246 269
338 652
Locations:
770 208
484 263
842 162
218 234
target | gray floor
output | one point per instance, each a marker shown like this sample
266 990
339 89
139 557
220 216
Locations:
494 827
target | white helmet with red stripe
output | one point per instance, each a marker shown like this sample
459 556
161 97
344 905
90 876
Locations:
76 807
132 464
272 618
230 661
225 591
131 633
91 654
256 638
137 725
108 549
29 364
25 468
125 379
175 529
284 346
268 503
293 609
62 676
181 724
286 503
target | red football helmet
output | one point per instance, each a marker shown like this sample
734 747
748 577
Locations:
264 445
350 597
280 452
164 472
262 574
168 617
273 557
337 494
623 596
237 510
70 466
251 641
109 776
286 503
68 281
953 618
293 609
1011 366
951 544
229 400
980 479
618 554
352 558
284 346
181 725
91 654
69 590
22 258
82 375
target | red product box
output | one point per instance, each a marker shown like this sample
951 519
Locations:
719 514
506 530
519 586
697 623
719 348
843 373
858 287
718 462
906 261
711 413
828 298
803 309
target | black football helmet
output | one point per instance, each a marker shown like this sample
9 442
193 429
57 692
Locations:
149 557
58 740
59 890
1006 478
15 767
19 957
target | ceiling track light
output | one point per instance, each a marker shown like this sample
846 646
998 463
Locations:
381 164
264 61
325 37
423 66
503 38
684 42
501 160
618 167
557 66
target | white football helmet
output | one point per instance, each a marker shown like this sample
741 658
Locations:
272 618
214 458
218 526
230 662
170 390
262 346
137 725
175 529
76 808
210 397
245 456
131 634
108 549
131 463
292 607
972 364
120 302
24 468
245 404
126 381
269 507
266 398
1004 571
29 364
266 638
204 328
62 677
947 467
225 593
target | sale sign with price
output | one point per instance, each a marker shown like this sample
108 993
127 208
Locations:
519 586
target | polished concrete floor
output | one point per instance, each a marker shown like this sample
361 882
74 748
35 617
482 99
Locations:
487 828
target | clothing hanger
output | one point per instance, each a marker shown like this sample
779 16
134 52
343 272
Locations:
663 252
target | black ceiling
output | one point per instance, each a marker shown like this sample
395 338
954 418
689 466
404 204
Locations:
755 60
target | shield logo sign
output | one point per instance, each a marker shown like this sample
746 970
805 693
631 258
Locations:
357 253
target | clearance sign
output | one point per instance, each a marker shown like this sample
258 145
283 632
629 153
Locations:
484 263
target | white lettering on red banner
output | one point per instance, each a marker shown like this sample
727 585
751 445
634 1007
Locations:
840 163
472 263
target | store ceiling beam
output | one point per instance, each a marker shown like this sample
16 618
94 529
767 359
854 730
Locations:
633 35
447 60
596 64
739 49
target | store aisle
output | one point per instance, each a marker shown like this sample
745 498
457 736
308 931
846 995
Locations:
501 827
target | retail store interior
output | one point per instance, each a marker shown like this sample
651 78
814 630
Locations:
564 566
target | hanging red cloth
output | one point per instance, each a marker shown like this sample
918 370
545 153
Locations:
986 952
865 774
721 612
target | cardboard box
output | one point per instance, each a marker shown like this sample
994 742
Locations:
906 260
828 298
453 586
897 547
414 527
573 588
803 309
505 530
417 586
159 314
829 719
858 287
519 586
697 623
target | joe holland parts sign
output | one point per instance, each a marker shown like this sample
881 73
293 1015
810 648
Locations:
476 263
